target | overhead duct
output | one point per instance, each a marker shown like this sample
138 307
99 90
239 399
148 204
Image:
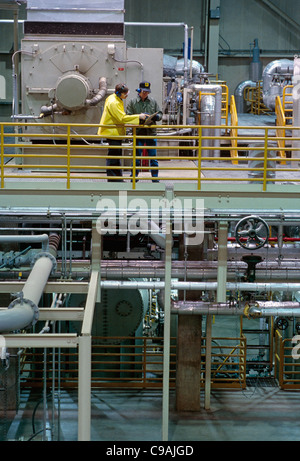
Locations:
77 12
22 313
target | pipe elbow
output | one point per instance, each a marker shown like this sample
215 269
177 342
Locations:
100 95
21 314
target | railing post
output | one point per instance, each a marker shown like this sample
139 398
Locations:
281 362
199 155
133 157
265 160
68 155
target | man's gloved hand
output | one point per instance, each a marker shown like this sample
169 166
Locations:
143 118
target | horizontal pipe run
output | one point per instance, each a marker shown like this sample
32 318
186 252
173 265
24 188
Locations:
205 286
273 312
43 239
283 305
204 308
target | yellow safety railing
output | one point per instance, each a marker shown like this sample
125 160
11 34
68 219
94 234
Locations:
68 153
280 122
224 109
133 362
228 364
287 101
287 367
254 95
234 131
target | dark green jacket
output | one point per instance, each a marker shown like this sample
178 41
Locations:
149 106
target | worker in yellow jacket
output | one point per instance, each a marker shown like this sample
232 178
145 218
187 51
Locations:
114 119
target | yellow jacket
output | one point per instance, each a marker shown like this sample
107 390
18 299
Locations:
114 115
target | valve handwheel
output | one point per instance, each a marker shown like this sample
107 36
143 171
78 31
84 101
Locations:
252 232
281 323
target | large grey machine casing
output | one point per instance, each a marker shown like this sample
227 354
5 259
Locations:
66 50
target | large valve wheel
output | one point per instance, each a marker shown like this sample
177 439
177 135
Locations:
281 323
252 232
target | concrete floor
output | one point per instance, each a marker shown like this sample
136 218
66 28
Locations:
258 413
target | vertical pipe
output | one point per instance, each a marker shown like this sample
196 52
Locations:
191 53
16 47
167 331
186 39
206 34
222 262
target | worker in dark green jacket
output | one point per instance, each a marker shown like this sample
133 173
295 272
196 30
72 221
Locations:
145 104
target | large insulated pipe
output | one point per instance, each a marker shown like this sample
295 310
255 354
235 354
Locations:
204 308
205 286
182 269
239 95
272 88
22 313
213 111
274 309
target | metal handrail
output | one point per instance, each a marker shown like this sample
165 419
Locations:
288 105
234 131
286 367
30 148
281 122
118 364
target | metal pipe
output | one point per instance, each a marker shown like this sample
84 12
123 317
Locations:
204 308
213 111
100 95
273 308
42 238
239 95
272 89
255 311
169 24
22 313
277 305
205 286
